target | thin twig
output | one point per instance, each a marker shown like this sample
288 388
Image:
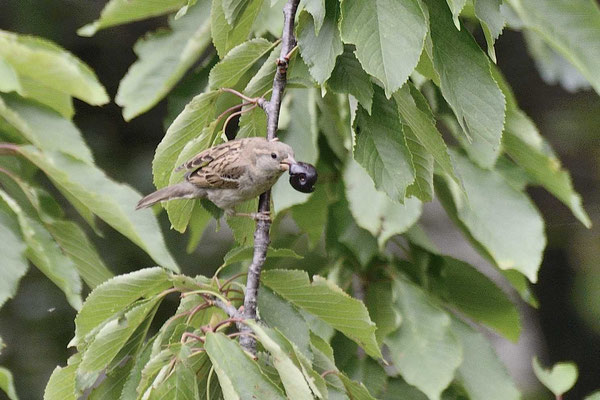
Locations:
240 95
233 108
261 234
187 335
235 114
227 307
8 148
234 277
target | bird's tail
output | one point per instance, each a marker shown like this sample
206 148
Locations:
183 190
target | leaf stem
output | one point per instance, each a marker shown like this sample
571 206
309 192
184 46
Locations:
240 95
261 234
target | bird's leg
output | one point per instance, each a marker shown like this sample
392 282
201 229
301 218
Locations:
257 216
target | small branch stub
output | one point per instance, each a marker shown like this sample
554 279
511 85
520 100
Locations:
261 234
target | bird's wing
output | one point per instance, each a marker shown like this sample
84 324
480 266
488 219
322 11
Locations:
218 167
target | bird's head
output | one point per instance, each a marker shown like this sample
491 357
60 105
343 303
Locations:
274 156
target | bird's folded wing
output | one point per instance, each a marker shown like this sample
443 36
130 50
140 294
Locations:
226 176
218 167
209 155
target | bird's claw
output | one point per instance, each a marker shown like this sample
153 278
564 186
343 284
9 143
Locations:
262 216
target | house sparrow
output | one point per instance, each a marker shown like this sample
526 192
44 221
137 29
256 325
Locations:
229 174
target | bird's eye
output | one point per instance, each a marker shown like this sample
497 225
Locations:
273 156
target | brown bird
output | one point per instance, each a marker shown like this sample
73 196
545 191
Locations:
229 174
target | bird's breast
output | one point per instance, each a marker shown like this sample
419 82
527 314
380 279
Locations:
250 185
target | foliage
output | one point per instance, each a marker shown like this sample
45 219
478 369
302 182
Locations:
377 90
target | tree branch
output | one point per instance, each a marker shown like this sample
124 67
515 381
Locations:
261 234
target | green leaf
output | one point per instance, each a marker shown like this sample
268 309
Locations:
118 12
225 36
476 296
456 7
14 263
570 27
239 376
182 12
114 295
348 77
199 220
252 123
316 8
61 385
50 65
524 144
593 396
328 302
559 379
262 82
422 162
46 255
180 210
398 389
311 216
135 374
389 37
416 113
285 360
481 373
380 147
345 237
50 97
237 62
356 390
369 373
232 9
9 80
114 335
157 363
189 124
492 22
269 20
114 203
44 128
321 49
380 302
163 58
75 243
552 66
424 349
280 314
302 134
338 382
498 217
111 387
243 227
373 210
181 383
520 283
243 253
7 385
477 102
334 123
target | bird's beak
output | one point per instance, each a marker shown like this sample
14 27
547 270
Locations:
287 162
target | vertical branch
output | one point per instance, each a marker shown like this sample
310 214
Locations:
261 234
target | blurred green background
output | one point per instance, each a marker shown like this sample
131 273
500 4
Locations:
38 323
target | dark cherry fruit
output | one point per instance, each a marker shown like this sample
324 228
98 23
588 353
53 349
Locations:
303 177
